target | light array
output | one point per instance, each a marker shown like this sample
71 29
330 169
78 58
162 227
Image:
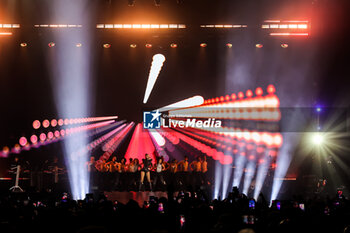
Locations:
228 26
57 25
236 107
60 122
289 34
7 25
140 26
115 142
5 33
286 27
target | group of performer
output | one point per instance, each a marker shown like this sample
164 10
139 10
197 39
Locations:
116 174
123 175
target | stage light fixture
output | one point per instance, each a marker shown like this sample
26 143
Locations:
78 45
284 46
148 45
46 123
259 46
157 2
51 44
203 45
23 44
131 3
34 139
229 45
156 66
173 45
23 141
133 46
5 33
36 124
106 46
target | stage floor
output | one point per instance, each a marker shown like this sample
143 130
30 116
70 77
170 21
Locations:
139 197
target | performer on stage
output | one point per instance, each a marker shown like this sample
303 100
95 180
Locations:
123 174
159 167
183 172
196 167
173 174
91 168
112 168
134 167
204 170
146 170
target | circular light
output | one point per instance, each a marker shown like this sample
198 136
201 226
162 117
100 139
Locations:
57 134
5 150
173 45
60 122
284 46
23 44
229 45
240 95
318 109
46 123
148 45
50 135
249 93
51 44
23 141
53 122
259 46
36 124
203 45
78 45
134 46
42 137
159 58
318 139
271 89
34 139
106 46
259 91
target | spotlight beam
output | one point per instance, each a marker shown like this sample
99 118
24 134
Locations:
156 66
186 103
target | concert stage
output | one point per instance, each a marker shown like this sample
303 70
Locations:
139 197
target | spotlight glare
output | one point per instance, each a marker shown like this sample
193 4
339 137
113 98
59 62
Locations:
157 64
51 44
229 45
203 45
148 45
259 46
106 46
133 46
23 44
318 139
284 46
173 45
78 45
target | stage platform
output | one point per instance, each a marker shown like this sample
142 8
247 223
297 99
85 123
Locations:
139 197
